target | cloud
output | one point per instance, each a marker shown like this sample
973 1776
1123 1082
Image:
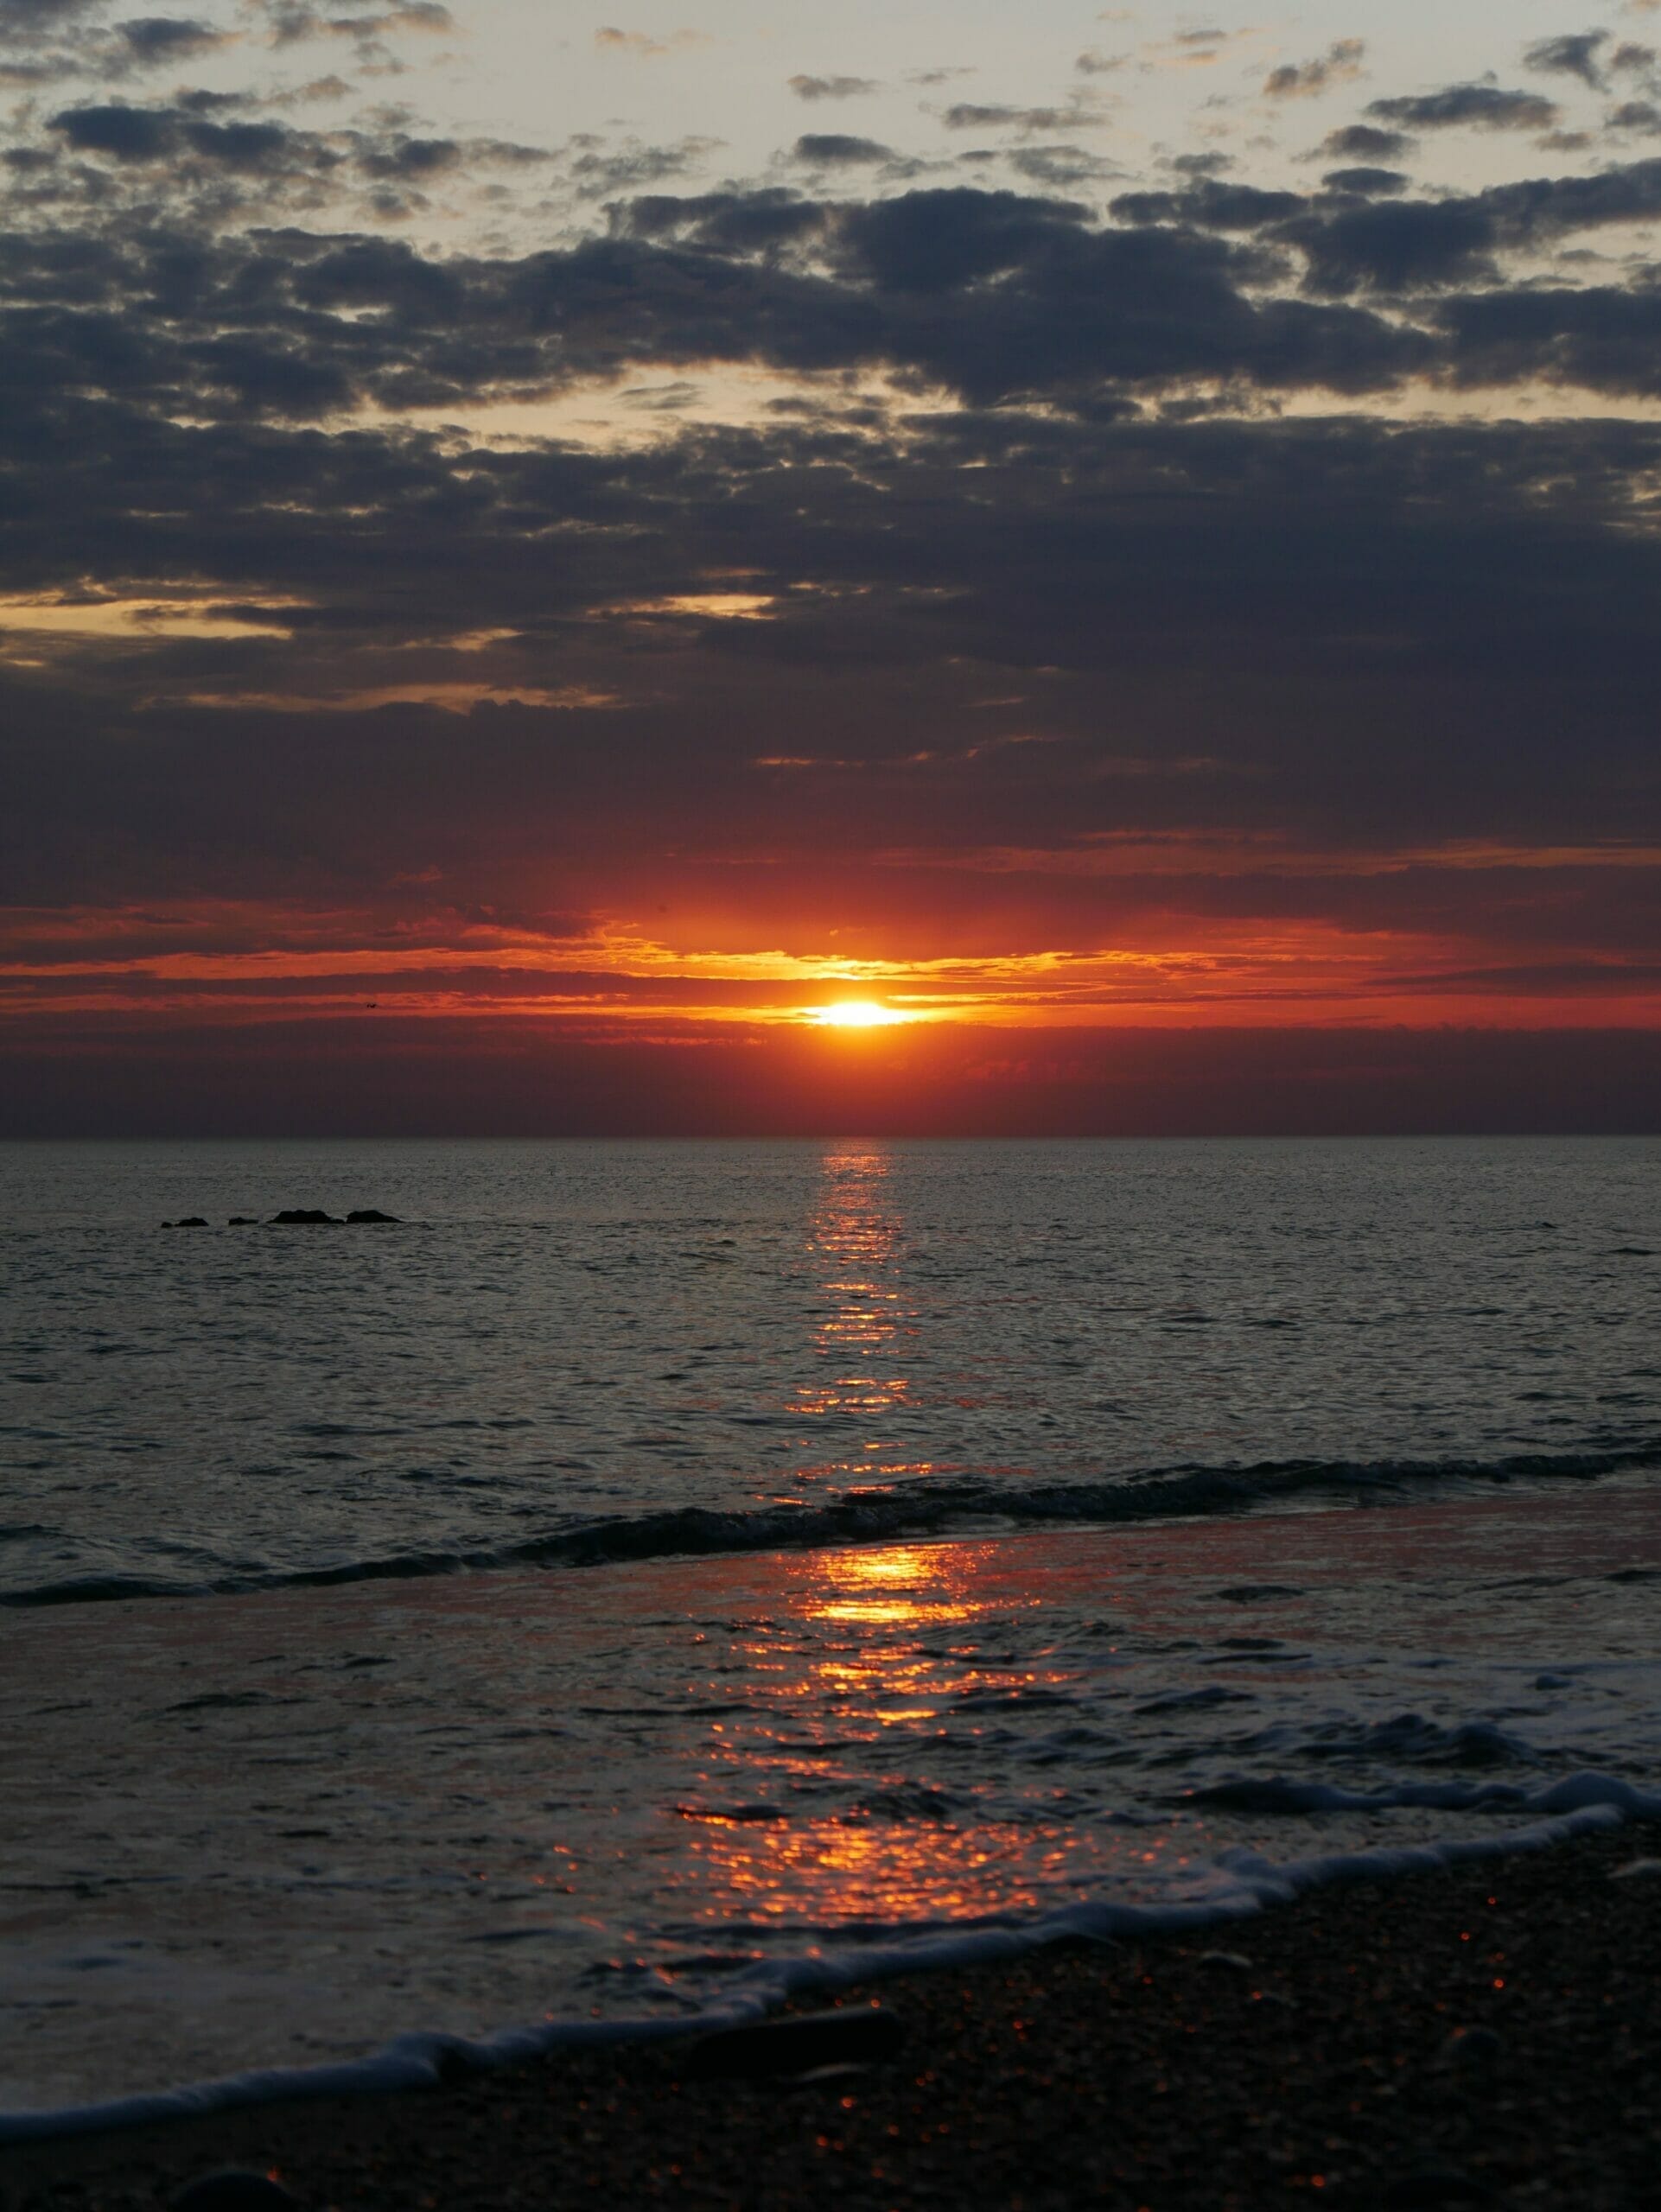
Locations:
832 88
1484 107
154 39
644 47
1210 206
293 21
969 115
1573 53
633 167
1340 64
836 149
1398 246
1364 141
1367 183
1061 167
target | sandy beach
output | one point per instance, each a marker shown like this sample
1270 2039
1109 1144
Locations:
1487 2035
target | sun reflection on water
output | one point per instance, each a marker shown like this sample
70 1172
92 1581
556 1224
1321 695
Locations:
847 1790
853 1237
857 1774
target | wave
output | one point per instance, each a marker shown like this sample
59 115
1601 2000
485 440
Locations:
1235 1886
924 1510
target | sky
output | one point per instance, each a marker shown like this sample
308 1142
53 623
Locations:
732 569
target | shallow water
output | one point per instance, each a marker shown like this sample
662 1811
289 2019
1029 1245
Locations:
280 1830
252 1822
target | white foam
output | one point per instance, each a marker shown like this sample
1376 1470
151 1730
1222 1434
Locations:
1238 1884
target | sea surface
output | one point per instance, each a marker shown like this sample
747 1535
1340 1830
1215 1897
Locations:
644 1571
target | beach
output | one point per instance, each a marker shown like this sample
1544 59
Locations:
1483 2036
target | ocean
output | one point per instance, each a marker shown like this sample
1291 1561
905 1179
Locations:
642 1578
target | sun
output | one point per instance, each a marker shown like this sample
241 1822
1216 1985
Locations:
858 1013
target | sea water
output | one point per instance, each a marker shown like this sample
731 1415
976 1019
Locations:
642 1569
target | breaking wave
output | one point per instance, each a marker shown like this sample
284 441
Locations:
922 1509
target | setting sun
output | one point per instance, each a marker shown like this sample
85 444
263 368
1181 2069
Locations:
858 1013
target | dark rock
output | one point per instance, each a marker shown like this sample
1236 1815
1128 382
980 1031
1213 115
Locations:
236 2189
303 1218
369 1213
186 1221
244 1221
858 2034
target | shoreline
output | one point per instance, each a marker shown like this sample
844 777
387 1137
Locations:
1487 2033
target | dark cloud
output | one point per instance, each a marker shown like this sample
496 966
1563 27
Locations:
833 148
125 133
1364 141
192 136
168 38
1481 106
130 134
1574 54
1367 183
1210 206
1398 246
1599 338
741 223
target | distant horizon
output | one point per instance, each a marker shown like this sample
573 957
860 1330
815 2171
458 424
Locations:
942 1083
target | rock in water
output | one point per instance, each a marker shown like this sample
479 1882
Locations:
371 1213
303 1218
186 1221
244 1221
854 2035
236 2189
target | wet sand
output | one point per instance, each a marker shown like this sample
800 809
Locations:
1487 2036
